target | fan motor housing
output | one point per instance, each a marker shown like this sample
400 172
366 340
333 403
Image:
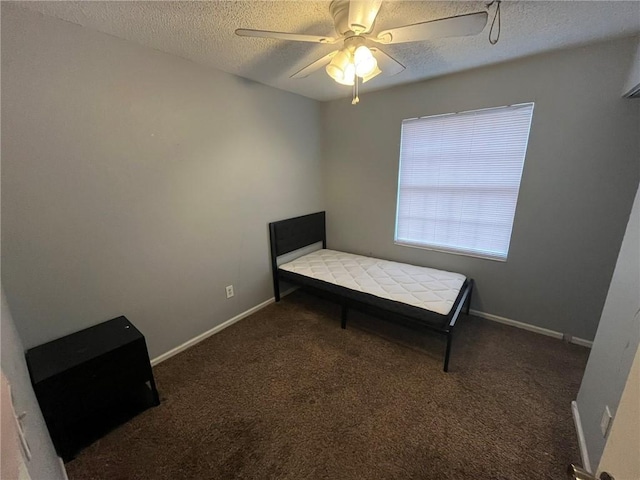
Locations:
353 41
339 10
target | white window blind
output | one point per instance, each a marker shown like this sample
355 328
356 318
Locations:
459 180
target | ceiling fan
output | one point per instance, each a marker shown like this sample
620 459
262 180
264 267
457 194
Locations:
360 59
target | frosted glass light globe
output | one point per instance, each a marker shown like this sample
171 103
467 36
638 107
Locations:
364 61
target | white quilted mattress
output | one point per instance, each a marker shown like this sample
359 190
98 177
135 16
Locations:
422 287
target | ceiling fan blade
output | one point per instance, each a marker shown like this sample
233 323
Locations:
459 26
296 37
362 14
388 65
309 69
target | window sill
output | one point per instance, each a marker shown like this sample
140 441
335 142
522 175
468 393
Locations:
454 252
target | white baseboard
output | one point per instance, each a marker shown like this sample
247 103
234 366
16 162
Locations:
532 328
62 469
216 329
246 313
582 342
208 333
582 442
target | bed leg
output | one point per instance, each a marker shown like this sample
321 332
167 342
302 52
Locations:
345 309
448 352
276 287
469 298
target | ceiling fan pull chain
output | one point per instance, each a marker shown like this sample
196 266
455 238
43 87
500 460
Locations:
356 99
495 16
353 92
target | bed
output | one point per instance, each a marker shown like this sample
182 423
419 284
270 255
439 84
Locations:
418 296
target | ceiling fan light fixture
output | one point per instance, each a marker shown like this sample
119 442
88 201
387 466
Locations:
337 68
349 74
376 71
364 61
344 67
348 77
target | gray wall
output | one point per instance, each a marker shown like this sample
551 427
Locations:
616 341
138 183
44 463
633 78
580 176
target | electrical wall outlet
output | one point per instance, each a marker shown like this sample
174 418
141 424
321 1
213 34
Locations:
229 290
605 421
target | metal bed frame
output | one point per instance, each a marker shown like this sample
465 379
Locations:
294 233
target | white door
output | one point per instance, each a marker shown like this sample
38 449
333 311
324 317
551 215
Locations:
621 455
613 372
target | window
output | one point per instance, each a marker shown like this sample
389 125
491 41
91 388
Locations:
459 180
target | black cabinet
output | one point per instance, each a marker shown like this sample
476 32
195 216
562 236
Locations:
91 381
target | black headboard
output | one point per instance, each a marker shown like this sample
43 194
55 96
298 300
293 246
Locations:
294 233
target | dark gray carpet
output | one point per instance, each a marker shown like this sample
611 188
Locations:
287 394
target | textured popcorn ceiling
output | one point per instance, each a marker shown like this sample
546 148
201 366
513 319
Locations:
204 33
